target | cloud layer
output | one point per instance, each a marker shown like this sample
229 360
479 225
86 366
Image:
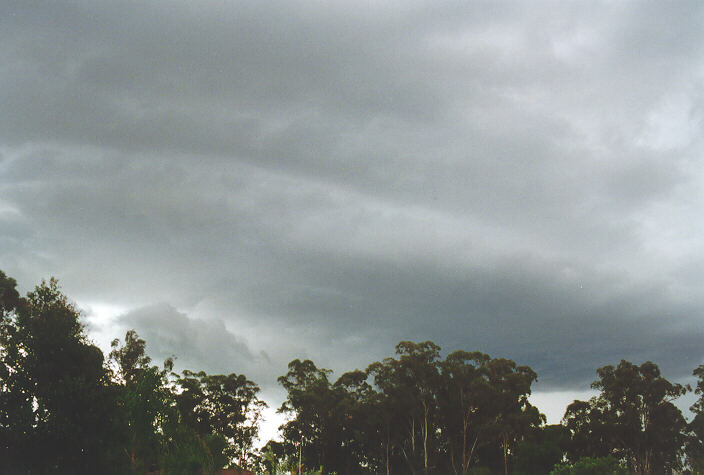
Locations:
262 181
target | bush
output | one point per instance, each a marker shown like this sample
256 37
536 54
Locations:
591 466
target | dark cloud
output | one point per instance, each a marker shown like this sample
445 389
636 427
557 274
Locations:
321 180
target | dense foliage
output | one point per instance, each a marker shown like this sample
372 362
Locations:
591 466
65 408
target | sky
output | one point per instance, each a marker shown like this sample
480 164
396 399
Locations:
247 182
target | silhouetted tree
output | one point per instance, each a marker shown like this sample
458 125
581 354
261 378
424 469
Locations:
695 437
541 450
314 432
633 417
224 410
463 399
61 408
145 400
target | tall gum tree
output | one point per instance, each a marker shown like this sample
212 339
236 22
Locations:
145 399
464 394
410 383
513 415
695 439
314 431
634 417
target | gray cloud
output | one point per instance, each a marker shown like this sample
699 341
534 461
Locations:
194 344
322 181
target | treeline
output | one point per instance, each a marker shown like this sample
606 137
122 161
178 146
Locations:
67 408
469 413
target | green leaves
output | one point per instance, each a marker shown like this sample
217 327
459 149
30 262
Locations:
409 414
62 409
591 466
412 413
54 386
9 297
632 418
221 407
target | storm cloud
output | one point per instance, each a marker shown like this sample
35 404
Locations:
256 181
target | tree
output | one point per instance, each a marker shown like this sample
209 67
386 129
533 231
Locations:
411 384
463 397
419 375
633 418
438 416
514 416
695 439
54 386
15 405
591 434
186 453
273 457
9 297
386 410
313 434
223 410
360 444
541 450
591 466
130 359
145 399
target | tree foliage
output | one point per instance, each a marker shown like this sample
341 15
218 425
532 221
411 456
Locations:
145 401
64 408
633 418
695 438
55 396
415 413
608 465
224 410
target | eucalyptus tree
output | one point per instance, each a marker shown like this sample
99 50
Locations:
224 410
410 382
419 376
390 414
361 441
634 417
439 414
463 398
541 450
145 399
513 415
15 405
313 432
591 434
695 439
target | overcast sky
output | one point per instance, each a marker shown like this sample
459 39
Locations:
246 182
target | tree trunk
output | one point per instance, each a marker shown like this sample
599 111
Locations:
409 461
425 439
452 458
464 442
465 427
388 439
323 468
413 435
505 444
465 466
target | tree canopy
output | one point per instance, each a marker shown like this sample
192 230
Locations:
633 418
66 408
